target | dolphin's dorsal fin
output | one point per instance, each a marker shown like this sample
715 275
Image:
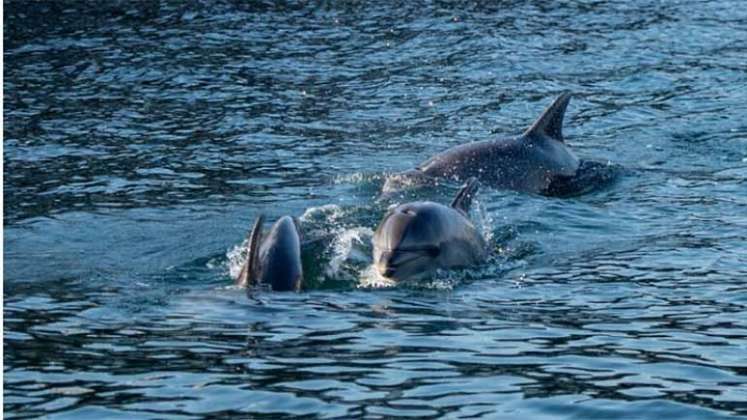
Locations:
550 123
250 266
464 197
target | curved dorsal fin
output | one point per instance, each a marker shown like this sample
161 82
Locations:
464 197
550 123
250 266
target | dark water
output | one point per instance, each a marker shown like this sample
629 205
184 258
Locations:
142 139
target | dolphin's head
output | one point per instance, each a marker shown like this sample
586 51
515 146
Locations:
280 256
407 243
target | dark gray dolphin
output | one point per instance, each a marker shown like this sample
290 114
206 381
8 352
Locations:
274 259
528 163
415 239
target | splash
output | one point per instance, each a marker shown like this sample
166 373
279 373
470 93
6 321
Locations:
370 279
358 178
347 245
332 213
349 251
236 258
483 221
399 181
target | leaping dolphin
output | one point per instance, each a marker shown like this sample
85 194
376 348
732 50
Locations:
531 162
274 259
415 239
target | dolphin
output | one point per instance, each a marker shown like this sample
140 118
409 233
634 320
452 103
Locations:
531 162
415 239
274 259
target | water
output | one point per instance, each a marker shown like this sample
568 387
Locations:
141 141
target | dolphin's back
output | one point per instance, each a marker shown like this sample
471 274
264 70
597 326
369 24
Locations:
528 163
521 163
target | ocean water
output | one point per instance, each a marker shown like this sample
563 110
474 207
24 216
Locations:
142 139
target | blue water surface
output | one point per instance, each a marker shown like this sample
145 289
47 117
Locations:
142 139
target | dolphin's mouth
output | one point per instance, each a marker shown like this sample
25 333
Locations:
430 250
400 262
402 267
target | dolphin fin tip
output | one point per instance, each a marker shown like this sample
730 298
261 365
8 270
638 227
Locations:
550 123
463 199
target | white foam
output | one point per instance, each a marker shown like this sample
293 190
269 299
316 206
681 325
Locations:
236 258
356 178
331 212
348 250
369 278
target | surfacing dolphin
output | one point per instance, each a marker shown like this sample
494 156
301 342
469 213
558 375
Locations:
531 162
274 259
415 239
